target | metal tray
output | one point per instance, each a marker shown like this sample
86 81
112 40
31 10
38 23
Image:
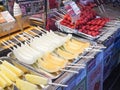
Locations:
57 74
14 62
76 32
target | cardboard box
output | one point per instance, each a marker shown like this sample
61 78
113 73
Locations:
111 56
6 21
76 80
81 85
94 73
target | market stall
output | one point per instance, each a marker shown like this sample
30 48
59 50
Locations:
76 48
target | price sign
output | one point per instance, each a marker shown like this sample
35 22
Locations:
72 9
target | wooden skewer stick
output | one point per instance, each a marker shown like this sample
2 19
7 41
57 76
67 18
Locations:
70 71
75 67
86 56
35 33
45 31
3 42
98 46
57 84
24 38
76 64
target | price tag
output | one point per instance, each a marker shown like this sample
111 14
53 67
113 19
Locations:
72 9
75 8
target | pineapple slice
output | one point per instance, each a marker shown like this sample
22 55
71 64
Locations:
2 83
12 76
36 79
1 88
24 85
21 67
73 44
48 66
9 82
76 42
50 59
72 50
14 69
65 54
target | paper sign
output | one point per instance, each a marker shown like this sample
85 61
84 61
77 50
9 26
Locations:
72 9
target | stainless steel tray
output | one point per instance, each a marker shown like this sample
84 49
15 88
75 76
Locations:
57 74
29 69
69 30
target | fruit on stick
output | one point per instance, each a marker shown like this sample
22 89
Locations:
36 79
23 58
87 22
3 83
65 55
21 53
21 67
54 60
58 59
24 85
14 69
48 66
72 50
12 76
7 80
76 42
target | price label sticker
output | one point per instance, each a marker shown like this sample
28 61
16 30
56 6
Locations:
75 8
71 8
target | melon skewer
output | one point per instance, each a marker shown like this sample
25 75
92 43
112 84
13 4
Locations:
47 67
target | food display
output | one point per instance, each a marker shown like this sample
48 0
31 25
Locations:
9 76
12 76
89 23
50 53
66 53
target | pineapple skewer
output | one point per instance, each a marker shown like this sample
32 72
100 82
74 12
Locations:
14 69
12 76
8 81
3 83
41 80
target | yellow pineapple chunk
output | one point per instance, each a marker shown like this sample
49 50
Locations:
24 85
14 69
65 54
21 67
12 76
48 66
2 83
36 79
8 81
72 50
54 60
77 42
